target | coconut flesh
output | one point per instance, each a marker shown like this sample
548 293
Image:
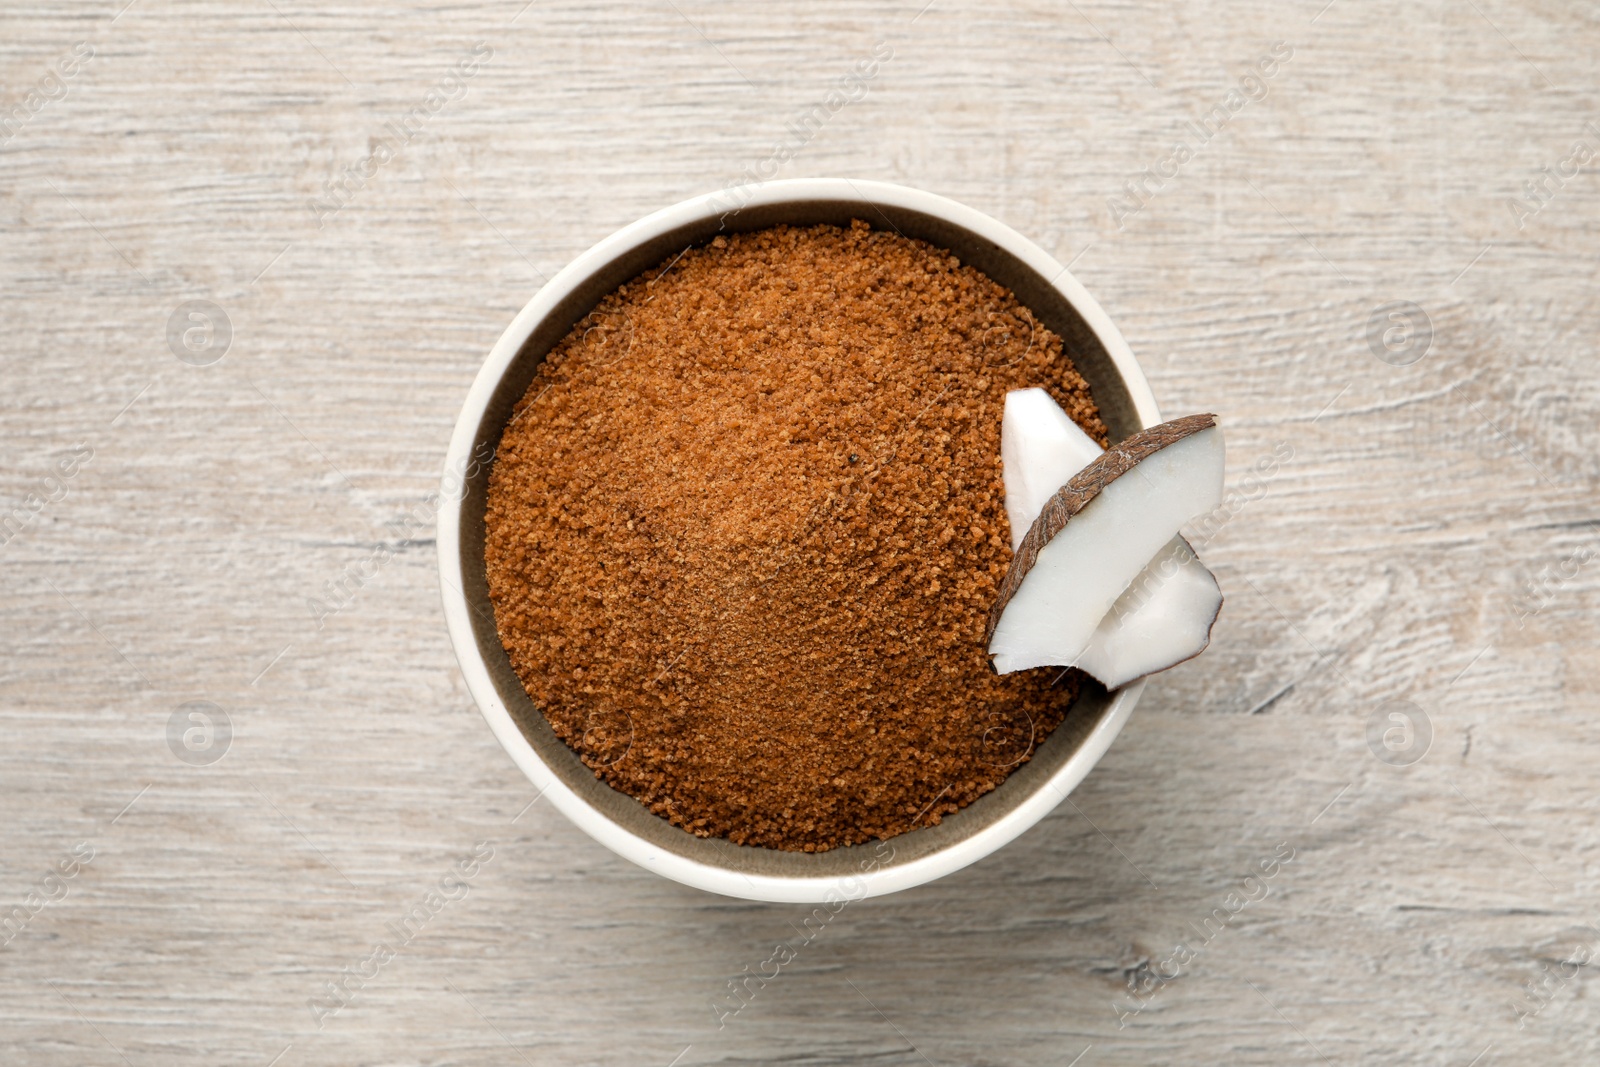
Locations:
1163 618
1041 448
1101 579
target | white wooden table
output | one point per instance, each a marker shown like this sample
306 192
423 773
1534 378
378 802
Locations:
177 501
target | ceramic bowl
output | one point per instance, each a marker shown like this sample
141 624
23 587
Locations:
618 821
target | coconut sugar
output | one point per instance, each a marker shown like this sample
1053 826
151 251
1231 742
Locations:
745 528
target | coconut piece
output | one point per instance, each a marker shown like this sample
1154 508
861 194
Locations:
1165 615
1162 619
1094 536
1041 448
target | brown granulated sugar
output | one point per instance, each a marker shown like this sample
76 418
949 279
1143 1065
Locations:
745 527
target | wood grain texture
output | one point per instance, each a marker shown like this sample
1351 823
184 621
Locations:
1426 533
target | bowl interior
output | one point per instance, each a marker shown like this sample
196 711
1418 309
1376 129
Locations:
1033 290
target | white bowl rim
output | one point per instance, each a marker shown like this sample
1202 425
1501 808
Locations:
789 889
